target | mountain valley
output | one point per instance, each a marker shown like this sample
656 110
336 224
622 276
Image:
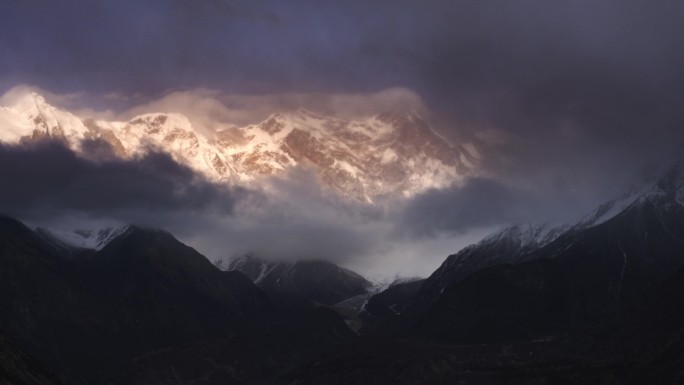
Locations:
527 304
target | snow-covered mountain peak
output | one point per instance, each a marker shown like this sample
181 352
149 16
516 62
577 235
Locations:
363 158
33 117
31 102
386 154
159 121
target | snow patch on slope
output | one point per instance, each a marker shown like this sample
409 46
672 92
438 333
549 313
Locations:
610 209
529 237
85 239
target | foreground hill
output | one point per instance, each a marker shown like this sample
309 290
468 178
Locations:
582 279
146 297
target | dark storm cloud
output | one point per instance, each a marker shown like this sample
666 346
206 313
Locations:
45 179
441 47
481 202
601 71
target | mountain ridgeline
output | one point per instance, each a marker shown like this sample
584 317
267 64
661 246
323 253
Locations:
598 301
374 156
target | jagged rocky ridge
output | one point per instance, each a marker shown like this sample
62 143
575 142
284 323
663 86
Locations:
380 155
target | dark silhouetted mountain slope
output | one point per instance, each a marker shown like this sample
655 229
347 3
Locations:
317 281
143 299
18 368
580 280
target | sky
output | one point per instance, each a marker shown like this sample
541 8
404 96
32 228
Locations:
569 102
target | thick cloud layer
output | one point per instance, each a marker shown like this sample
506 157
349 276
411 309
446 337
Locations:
478 203
437 48
287 217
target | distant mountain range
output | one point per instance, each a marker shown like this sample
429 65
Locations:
387 154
